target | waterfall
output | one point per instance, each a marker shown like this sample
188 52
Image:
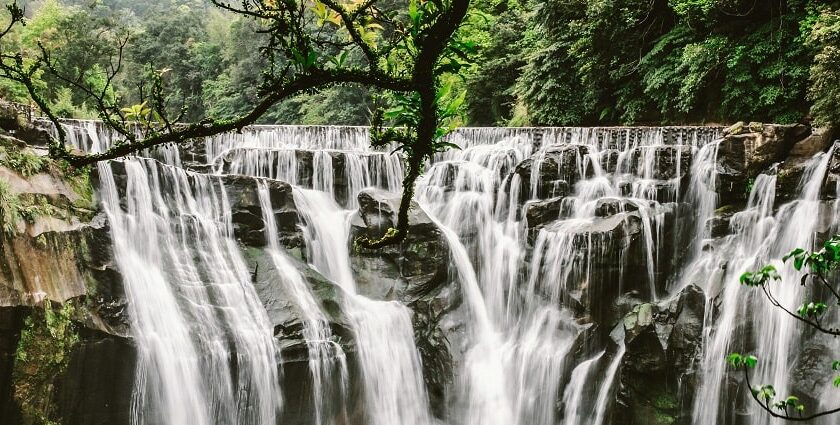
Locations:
553 235
394 389
326 358
758 237
206 351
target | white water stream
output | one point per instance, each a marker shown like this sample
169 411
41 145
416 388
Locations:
531 292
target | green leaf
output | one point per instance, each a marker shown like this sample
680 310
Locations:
795 252
750 361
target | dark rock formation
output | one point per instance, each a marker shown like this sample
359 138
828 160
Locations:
416 266
558 168
97 386
247 214
541 212
663 346
747 150
665 161
285 315
416 272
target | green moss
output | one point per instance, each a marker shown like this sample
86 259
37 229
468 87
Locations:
79 181
43 352
665 402
10 208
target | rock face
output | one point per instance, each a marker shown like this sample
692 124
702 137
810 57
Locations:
416 272
747 150
663 346
247 216
557 169
55 246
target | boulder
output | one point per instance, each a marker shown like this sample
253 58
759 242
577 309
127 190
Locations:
540 212
417 265
661 162
606 207
663 346
558 167
247 214
415 272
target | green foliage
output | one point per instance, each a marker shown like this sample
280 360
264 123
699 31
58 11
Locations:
23 161
824 90
630 61
737 360
760 277
43 352
824 260
10 208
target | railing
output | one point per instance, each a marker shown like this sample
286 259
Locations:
29 111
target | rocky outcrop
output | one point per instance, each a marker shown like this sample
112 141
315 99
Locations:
748 149
557 167
55 248
415 272
247 214
416 266
661 162
658 371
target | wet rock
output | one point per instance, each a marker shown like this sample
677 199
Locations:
718 225
663 345
415 266
558 167
543 211
745 151
247 215
284 314
831 186
415 272
661 162
97 386
609 160
606 207
810 375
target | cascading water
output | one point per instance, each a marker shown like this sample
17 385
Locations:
759 236
326 358
548 230
206 351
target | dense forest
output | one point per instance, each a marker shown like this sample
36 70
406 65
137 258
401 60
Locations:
539 62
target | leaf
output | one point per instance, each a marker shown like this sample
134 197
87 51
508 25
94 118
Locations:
795 252
792 400
735 359
750 361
